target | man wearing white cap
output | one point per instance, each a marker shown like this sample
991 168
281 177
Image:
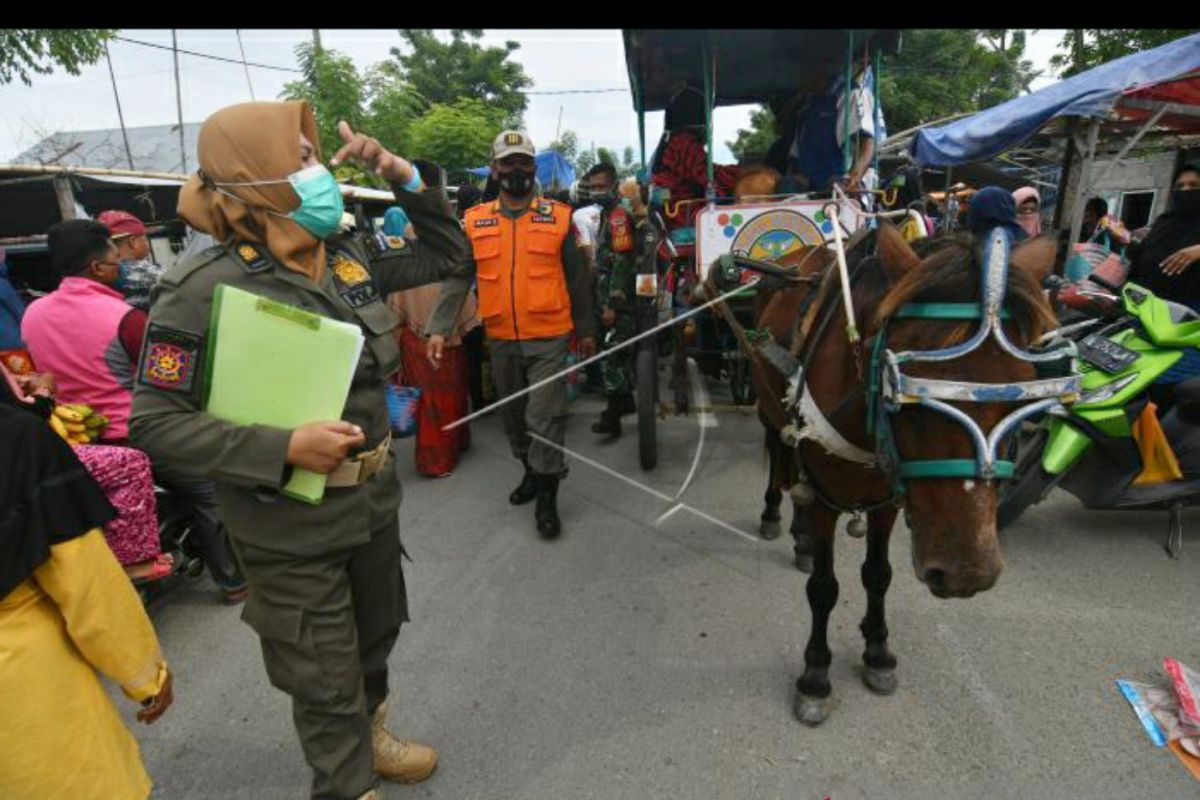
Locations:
533 291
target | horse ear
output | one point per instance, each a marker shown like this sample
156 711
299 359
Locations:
1035 257
897 258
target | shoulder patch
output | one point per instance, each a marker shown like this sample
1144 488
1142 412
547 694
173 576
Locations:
388 246
353 280
170 358
622 234
252 256
180 270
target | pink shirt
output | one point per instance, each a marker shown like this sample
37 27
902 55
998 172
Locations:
74 333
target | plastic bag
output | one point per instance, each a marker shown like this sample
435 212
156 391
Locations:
1187 689
1157 708
402 402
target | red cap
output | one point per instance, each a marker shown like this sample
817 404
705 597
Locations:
121 223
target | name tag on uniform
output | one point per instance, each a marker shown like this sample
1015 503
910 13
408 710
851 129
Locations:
486 222
353 281
543 218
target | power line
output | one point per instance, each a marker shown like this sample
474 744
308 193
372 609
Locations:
206 55
579 91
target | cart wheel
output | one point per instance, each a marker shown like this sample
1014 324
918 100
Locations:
741 382
646 370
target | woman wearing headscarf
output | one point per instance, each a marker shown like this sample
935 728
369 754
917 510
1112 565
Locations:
443 391
1165 262
1029 210
992 207
67 611
327 593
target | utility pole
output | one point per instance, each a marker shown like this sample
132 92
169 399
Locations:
179 103
317 39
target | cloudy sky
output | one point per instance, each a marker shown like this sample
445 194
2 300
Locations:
557 60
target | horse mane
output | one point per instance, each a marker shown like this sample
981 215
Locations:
950 272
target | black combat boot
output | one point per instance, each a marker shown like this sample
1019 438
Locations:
548 524
528 488
609 423
625 404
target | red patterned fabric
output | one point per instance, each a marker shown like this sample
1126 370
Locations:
443 400
124 475
684 169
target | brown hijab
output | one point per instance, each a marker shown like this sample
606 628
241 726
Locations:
254 142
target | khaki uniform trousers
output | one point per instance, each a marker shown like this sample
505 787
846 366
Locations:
327 624
516 365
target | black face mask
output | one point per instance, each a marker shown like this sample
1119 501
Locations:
518 183
1186 201
606 200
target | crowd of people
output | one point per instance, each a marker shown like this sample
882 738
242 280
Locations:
512 278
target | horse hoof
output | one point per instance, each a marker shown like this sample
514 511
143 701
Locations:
770 529
804 562
880 681
812 711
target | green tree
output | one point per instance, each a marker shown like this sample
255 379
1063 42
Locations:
585 161
457 135
38 51
392 105
755 140
1089 47
567 144
444 72
628 166
332 86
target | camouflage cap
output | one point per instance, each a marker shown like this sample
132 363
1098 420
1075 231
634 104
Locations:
510 143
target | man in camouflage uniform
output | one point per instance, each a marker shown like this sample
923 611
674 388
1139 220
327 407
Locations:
616 284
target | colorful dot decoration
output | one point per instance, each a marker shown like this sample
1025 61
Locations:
737 219
729 231
722 219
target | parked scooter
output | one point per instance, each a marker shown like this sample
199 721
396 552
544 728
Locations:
1090 449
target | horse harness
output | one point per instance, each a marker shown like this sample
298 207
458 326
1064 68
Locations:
889 389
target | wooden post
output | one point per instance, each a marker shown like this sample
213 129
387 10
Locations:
65 196
1085 181
1068 179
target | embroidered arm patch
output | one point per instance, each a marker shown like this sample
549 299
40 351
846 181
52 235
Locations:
622 236
170 358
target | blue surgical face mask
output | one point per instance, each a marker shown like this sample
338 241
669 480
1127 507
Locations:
125 266
321 206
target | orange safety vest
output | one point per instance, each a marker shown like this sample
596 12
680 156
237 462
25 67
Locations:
522 286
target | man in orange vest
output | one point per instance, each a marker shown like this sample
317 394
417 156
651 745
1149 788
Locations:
533 290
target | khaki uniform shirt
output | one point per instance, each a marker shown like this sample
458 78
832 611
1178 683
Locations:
247 463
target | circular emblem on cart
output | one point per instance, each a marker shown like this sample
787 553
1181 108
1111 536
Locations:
773 234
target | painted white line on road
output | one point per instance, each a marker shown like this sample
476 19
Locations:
643 487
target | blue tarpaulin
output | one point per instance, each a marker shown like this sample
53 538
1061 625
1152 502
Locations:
552 170
1089 94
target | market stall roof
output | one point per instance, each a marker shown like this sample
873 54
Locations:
31 206
751 66
1133 87
552 169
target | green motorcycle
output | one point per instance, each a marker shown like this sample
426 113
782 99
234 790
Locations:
1089 448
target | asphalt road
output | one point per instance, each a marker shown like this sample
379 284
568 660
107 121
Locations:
644 659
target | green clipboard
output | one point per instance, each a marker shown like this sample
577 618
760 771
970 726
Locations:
269 363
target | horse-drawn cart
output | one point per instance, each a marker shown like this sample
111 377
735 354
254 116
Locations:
688 233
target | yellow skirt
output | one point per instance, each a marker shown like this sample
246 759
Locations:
61 737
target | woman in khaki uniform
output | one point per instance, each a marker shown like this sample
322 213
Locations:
327 590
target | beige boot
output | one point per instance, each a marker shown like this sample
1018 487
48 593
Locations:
398 760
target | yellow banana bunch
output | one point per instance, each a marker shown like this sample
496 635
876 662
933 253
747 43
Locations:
69 414
77 423
59 426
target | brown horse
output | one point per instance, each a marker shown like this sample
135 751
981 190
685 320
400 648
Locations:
953 521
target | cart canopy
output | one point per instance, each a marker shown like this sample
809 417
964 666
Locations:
1133 87
750 66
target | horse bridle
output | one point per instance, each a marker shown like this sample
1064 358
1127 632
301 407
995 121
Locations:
889 389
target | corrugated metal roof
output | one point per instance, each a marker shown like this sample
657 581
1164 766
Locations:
155 148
